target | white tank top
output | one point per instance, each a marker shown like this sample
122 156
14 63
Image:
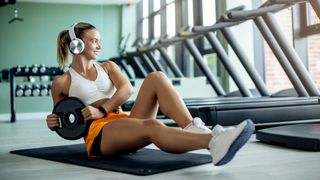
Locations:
91 91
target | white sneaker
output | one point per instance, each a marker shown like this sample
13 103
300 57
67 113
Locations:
226 142
197 126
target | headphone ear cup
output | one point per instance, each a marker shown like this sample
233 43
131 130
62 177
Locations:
76 46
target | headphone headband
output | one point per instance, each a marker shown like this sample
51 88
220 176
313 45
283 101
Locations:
76 45
72 33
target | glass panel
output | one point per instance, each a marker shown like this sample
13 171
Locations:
208 17
145 29
211 61
156 5
145 11
190 13
208 12
157 26
171 20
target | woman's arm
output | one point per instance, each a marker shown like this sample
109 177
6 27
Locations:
123 86
57 92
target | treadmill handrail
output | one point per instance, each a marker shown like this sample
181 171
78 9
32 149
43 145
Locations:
215 27
268 7
250 14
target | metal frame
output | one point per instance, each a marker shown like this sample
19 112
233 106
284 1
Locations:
223 25
282 59
306 28
291 54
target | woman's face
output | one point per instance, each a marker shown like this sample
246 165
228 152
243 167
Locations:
92 44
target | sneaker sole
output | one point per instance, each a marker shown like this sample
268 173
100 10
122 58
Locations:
238 143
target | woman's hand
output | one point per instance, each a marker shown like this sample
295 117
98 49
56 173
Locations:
52 121
90 113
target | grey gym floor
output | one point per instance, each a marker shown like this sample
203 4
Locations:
254 161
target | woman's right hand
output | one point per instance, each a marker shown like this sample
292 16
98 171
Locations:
52 121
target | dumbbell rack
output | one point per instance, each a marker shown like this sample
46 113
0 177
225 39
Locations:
14 72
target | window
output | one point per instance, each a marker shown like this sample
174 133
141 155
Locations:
208 17
276 79
145 21
310 22
208 12
157 26
145 29
171 21
190 13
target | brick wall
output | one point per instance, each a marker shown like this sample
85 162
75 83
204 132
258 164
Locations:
276 79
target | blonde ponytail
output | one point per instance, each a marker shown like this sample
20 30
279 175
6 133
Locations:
63 48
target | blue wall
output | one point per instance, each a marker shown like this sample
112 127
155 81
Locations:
34 40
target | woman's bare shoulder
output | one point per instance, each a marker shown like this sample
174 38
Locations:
60 85
109 66
61 79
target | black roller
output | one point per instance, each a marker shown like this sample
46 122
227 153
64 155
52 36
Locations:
72 125
299 136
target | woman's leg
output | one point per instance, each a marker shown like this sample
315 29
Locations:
155 91
129 135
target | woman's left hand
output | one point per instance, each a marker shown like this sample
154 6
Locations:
90 113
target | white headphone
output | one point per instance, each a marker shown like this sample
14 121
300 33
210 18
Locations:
76 45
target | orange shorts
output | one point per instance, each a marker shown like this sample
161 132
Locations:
97 125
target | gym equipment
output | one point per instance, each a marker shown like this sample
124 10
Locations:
19 90
6 2
299 136
71 125
42 68
26 90
261 110
44 90
26 69
76 45
4 76
144 162
34 69
18 69
16 17
35 90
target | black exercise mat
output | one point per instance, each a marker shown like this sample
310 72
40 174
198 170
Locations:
144 162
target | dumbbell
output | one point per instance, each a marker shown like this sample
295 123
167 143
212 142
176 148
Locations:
42 69
18 69
34 69
71 122
27 90
26 69
35 90
44 91
19 90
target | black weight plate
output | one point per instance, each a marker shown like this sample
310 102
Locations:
76 128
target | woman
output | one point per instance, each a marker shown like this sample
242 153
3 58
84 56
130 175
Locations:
112 132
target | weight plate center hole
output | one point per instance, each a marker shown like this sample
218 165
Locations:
71 119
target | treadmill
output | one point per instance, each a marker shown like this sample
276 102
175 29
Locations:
299 136
262 110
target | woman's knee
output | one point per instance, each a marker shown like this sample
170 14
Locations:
158 75
152 123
